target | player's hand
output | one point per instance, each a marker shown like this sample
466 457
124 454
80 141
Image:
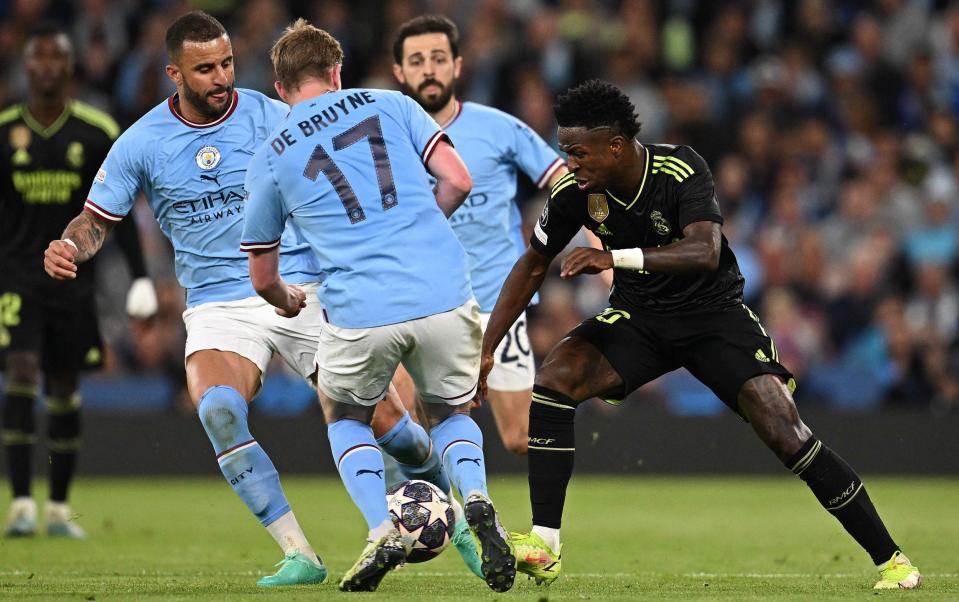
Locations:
486 364
586 260
142 299
295 301
58 260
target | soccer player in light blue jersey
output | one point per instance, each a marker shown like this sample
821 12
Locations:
494 146
351 169
189 155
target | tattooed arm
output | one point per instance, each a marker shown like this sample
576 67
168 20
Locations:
81 240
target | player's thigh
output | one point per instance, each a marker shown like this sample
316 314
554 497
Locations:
608 356
405 389
355 365
71 340
444 355
208 368
513 368
726 349
389 411
296 339
21 335
218 337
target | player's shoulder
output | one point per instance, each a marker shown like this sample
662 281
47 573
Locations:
491 117
475 110
676 160
95 117
252 100
391 98
11 114
565 192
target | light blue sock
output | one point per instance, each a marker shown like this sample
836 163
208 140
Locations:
223 412
361 467
460 444
416 458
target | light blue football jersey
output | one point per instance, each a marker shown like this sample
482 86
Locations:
192 176
347 167
494 145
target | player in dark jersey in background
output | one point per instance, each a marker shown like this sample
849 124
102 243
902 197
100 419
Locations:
677 301
50 149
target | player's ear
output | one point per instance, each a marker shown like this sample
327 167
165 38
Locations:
335 77
173 73
457 67
398 73
280 91
616 145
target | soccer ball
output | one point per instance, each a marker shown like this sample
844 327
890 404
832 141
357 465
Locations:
424 516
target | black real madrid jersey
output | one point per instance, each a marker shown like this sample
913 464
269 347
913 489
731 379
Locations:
45 172
676 190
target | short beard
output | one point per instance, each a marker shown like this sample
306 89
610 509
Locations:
431 105
203 106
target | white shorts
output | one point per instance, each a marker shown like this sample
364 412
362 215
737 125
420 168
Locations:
441 352
514 369
250 328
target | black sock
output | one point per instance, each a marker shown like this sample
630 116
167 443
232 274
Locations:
19 435
840 490
63 443
552 444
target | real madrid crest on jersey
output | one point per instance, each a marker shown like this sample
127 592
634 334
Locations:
659 223
598 206
208 157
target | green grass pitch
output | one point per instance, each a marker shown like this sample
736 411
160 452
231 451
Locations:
625 538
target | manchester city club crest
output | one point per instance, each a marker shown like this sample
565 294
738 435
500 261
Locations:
598 207
208 157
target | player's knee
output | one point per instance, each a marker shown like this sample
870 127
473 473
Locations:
438 412
562 378
222 412
567 368
18 420
770 409
516 442
61 385
23 368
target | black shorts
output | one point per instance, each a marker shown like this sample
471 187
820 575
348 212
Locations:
48 320
723 349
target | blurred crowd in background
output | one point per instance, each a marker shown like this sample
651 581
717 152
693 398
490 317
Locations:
831 128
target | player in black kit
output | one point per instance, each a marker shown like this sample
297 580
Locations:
677 301
50 150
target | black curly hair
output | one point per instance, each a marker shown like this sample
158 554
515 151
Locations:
596 103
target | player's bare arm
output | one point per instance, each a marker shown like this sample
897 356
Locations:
453 181
522 283
288 299
697 251
86 233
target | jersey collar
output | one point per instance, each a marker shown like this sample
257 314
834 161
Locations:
456 113
171 103
49 130
642 184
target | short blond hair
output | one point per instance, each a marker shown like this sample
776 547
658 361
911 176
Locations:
304 51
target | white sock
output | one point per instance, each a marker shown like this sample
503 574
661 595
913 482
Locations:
289 536
380 530
549 536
